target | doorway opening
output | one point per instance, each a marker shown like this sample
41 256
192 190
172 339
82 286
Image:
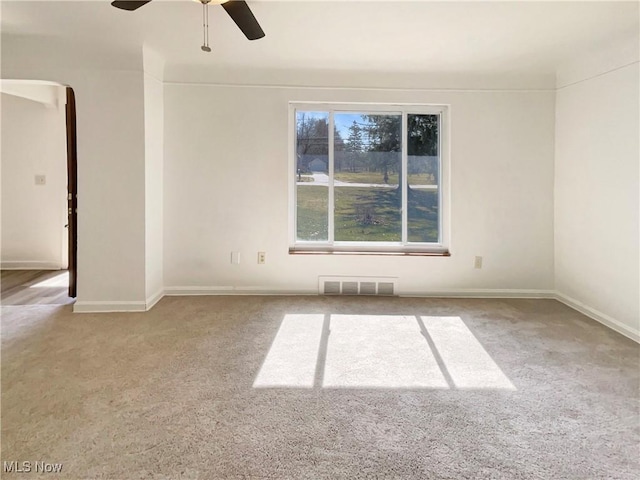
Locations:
39 193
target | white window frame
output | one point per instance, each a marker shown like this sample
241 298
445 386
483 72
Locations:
441 247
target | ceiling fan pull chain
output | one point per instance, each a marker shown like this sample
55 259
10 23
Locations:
205 27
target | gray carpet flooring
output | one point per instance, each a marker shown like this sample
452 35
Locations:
320 387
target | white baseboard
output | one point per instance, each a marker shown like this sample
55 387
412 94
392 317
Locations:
482 293
460 293
29 265
191 291
105 307
598 316
149 303
95 307
153 299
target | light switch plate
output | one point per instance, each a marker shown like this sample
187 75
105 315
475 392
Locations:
41 179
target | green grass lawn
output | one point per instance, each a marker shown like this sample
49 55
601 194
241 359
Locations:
422 217
313 204
378 178
421 179
366 214
365 177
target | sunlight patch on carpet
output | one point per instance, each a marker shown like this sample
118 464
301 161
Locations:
467 362
378 351
291 361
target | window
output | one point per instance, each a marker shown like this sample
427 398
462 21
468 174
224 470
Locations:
375 184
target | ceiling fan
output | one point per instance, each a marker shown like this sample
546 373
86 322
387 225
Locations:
238 10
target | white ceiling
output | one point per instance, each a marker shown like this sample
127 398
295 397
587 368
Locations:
394 36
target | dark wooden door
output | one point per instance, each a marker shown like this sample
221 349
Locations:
72 191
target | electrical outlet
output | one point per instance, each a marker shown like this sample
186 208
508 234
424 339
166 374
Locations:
41 179
262 257
477 263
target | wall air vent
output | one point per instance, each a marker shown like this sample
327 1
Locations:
386 288
331 288
368 288
350 288
336 285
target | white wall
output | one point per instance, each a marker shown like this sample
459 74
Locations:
215 181
597 244
154 165
110 125
33 216
226 174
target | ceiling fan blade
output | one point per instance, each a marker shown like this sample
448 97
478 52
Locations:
129 5
240 13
